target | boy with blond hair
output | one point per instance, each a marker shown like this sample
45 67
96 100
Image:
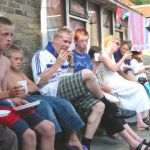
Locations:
64 110
30 117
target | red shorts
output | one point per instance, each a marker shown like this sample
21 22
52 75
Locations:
14 115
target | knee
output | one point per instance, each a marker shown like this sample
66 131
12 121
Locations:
87 74
47 129
99 108
29 137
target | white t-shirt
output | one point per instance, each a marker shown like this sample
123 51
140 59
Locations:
136 67
43 60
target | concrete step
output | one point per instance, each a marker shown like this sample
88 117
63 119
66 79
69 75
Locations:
106 143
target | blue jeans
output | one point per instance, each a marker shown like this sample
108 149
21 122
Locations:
59 111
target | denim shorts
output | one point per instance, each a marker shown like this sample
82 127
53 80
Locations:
59 111
20 121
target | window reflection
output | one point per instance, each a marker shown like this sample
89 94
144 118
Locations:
93 24
55 17
75 24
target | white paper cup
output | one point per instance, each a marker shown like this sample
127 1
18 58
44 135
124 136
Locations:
24 84
97 56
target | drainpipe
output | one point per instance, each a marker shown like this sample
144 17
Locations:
43 23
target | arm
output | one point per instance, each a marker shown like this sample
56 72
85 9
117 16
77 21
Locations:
43 73
129 75
47 74
32 88
71 62
115 67
10 92
104 87
137 67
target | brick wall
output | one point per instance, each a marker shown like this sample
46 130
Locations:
26 16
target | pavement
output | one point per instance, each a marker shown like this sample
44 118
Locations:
107 143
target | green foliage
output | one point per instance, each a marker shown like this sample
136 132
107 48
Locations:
141 2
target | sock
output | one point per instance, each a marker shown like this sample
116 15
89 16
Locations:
86 142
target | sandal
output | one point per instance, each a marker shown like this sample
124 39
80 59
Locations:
147 120
143 128
85 147
70 147
139 147
146 142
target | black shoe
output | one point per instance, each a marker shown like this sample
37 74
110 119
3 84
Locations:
125 113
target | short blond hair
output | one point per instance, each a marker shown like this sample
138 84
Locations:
61 31
109 39
13 49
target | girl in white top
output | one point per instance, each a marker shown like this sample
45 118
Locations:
131 94
138 68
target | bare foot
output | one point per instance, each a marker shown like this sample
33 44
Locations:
74 141
142 125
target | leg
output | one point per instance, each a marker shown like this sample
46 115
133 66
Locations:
45 128
90 82
47 131
74 141
21 128
27 135
71 121
132 133
140 123
45 109
133 143
129 139
73 88
94 120
29 140
113 125
8 139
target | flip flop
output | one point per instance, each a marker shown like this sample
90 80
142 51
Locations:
143 128
139 147
70 147
147 120
85 147
146 142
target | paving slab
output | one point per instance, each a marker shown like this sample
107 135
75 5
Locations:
106 143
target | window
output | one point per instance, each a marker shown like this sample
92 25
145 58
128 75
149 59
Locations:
75 24
93 23
78 8
52 18
107 23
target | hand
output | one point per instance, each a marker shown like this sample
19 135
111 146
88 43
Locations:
70 58
127 55
19 101
106 89
62 57
17 91
96 63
